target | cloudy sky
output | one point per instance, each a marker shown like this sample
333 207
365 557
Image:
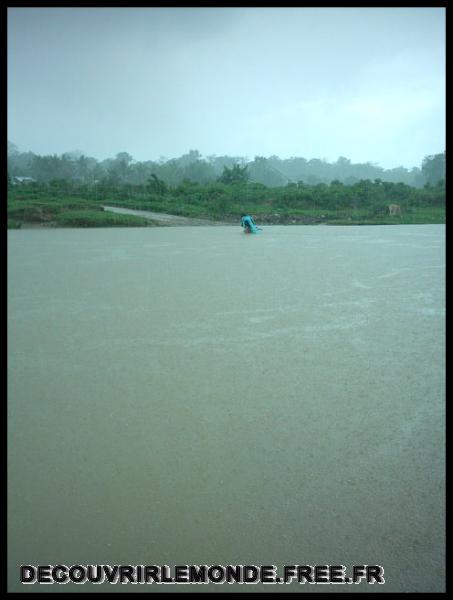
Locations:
364 83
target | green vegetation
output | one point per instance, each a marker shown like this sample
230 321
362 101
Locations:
13 224
33 204
38 204
236 174
159 175
93 218
76 201
365 202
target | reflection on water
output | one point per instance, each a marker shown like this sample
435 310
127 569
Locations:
194 395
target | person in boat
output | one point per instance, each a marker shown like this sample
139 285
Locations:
247 223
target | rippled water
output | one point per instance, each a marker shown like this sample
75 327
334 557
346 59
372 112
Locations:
195 395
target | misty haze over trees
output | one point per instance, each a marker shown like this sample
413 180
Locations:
271 172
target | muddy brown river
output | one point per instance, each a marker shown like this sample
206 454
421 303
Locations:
187 395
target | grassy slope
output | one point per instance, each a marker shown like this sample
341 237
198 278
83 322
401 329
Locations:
68 212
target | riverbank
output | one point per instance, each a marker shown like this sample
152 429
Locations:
116 216
163 219
85 206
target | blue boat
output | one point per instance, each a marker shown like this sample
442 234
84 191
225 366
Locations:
249 224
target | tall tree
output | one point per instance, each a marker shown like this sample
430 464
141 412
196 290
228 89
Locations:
236 174
156 185
433 168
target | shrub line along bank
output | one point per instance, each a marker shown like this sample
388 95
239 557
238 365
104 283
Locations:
66 204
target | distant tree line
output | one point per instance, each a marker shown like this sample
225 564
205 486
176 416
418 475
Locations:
192 167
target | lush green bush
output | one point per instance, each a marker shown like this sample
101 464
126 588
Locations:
14 224
362 200
33 212
87 218
45 209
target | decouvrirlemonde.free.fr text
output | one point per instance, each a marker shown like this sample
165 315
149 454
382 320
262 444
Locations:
164 574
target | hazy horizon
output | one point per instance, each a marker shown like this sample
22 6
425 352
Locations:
364 83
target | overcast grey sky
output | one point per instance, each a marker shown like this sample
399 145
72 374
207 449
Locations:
365 83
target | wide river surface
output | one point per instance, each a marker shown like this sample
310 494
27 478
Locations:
194 395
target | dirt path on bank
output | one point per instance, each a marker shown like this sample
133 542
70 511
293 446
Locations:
163 218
